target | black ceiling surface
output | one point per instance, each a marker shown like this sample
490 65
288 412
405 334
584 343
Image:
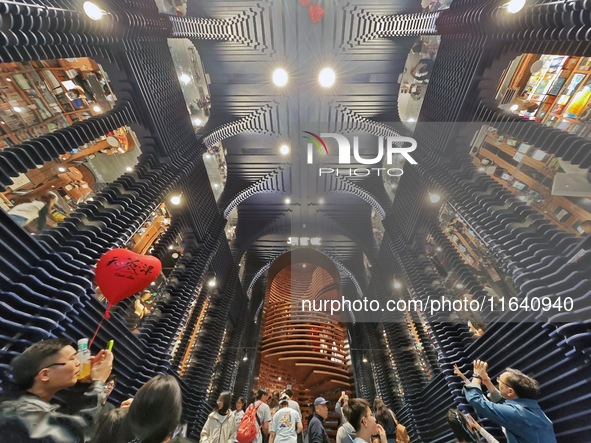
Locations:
281 33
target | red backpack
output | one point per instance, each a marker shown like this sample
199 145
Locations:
249 425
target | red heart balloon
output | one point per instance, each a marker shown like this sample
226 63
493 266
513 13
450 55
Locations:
121 273
316 13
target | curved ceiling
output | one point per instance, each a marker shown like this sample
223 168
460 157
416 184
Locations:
278 196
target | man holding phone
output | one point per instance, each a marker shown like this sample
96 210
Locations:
40 372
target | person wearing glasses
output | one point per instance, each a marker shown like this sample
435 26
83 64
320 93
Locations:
40 372
512 405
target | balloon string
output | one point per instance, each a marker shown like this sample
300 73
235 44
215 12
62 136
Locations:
107 314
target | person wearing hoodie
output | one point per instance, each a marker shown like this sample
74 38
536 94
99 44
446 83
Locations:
346 432
220 426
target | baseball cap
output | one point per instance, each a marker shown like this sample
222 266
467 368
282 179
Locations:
320 401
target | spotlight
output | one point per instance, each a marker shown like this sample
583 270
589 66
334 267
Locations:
175 200
411 120
175 255
245 358
129 169
212 283
17 109
514 108
93 11
327 77
434 198
97 108
459 286
284 149
197 122
288 201
397 284
280 77
364 359
61 169
514 6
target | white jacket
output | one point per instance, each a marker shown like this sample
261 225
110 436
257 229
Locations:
219 428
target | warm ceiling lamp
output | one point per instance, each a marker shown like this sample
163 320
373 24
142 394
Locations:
434 198
280 77
327 77
284 149
175 200
93 11
514 6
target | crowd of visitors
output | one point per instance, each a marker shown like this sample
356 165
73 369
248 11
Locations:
153 415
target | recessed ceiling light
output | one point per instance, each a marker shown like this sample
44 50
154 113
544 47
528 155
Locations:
320 201
93 11
175 200
514 6
61 169
288 201
435 198
129 169
97 108
184 79
411 120
197 122
397 284
280 77
216 185
175 255
284 149
8 79
514 108
16 109
211 283
327 77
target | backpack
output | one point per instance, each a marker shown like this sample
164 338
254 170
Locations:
249 426
401 434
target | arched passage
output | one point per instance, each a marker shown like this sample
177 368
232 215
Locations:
302 348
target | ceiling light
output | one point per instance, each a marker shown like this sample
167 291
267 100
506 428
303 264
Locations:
514 108
280 77
434 198
129 169
320 201
245 358
16 109
184 79
175 255
211 283
8 79
515 6
364 359
97 108
439 249
288 201
482 169
327 77
397 284
207 155
170 248
197 122
175 200
278 378
522 198
93 11
61 169
304 265
411 120
460 286
153 283
216 185
284 149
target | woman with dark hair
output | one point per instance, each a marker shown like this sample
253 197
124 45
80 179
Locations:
239 412
394 432
220 426
466 429
112 428
156 410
